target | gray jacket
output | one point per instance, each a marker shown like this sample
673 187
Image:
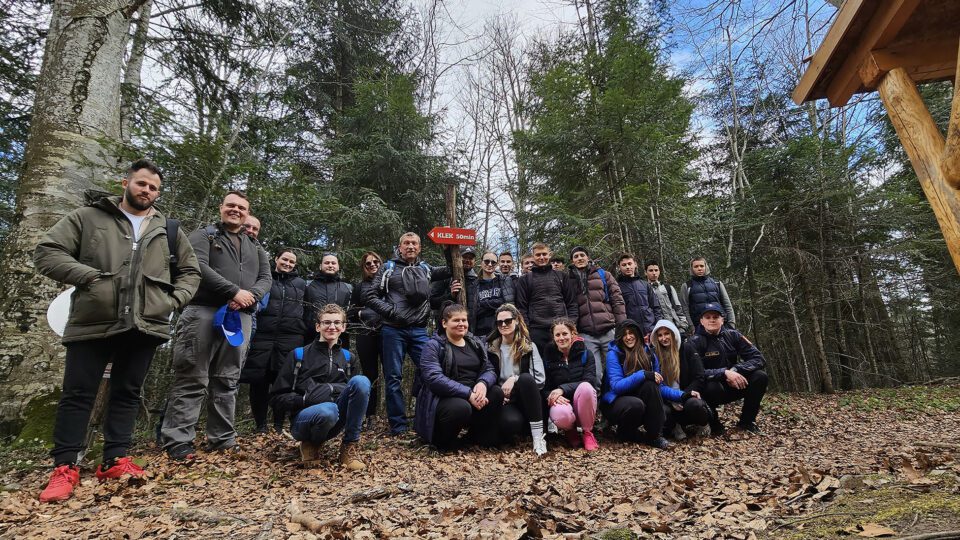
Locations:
670 305
224 271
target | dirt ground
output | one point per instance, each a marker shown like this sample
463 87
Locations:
855 465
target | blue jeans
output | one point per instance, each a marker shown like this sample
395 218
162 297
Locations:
396 343
321 422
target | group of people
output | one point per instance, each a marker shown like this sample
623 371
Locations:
542 349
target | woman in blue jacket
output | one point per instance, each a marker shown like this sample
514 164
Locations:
633 388
457 386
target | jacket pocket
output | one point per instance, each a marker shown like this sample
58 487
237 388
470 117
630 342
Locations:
156 299
95 303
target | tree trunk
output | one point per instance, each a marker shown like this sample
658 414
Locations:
823 366
130 88
76 120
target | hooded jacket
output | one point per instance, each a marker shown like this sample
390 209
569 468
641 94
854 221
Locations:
617 383
567 374
600 306
437 376
691 366
700 291
321 377
323 289
544 295
642 303
401 292
120 284
726 350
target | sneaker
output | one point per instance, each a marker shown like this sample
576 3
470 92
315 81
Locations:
573 438
540 445
309 452
182 452
62 481
120 467
659 442
749 426
590 442
678 433
350 456
551 427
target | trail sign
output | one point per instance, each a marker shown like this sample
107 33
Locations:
453 236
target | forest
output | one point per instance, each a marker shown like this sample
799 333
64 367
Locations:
660 128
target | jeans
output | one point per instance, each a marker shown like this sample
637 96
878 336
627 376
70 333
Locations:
321 422
396 343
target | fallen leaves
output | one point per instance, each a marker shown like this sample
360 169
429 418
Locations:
870 530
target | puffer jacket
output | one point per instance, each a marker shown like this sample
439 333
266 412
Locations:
643 305
279 327
691 367
617 383
120 284
567 373
600 308
437 374
401 292
701 290
323 289
544 295
320 378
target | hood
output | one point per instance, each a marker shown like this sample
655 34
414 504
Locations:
706 265
663 323
628 323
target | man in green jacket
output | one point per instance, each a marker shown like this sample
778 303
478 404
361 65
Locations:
207 358
116 253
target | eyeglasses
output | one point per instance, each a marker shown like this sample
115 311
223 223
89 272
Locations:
371 264
488 261
505 322
327 324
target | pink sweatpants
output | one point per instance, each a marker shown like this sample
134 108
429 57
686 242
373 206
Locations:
582 410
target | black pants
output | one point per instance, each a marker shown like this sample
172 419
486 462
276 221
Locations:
454 414
131 354
695 412
642 406
525 407
260 401
719 393
370 350
541 337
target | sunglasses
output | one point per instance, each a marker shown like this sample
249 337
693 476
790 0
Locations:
505 322
488 261
371 264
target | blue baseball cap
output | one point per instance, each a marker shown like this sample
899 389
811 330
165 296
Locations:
228 320
713 306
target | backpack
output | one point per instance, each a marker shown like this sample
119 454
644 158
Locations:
298 354
606 291
173 231
415 295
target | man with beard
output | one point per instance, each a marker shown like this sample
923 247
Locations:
116 252
213 332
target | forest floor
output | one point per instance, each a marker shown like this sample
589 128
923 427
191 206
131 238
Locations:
862 464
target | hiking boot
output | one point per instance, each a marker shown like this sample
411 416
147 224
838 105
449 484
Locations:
590 442
230 446
182 452
350 456
540 445
573 438
309 452
749 426
120 467
678 433
659 442
62 481
716 427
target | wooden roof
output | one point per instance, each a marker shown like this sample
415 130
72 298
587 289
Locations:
870 37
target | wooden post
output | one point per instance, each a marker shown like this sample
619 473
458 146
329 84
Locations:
451 203
950 164
924 145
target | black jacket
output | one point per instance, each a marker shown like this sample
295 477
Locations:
224 271
726 350
544 295
279 327
362 319
320 378
567 376
691 368
322 290
401 292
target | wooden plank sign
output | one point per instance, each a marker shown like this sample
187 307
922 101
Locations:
453 236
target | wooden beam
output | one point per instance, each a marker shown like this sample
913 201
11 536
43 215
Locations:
924 145
950 164
881 30
825 52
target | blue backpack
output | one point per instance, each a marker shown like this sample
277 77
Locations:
606 291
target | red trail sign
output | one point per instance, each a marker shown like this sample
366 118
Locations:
453 236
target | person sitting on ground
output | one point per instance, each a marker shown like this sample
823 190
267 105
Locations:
682 370
520 375
316 385
571 385
732 367
633 392
457 386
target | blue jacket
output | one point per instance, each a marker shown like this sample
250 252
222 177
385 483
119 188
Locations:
436 368
643 304
617 384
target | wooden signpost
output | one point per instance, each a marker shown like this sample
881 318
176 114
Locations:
455 238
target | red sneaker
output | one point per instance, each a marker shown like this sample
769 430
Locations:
573 438
62 481
590 442
121 467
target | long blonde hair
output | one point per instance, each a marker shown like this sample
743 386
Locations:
522 344
669 357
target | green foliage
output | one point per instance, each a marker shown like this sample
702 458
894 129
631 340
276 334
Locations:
912 399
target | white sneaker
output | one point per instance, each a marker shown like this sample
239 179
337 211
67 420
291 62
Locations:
540 445
678 433
551 427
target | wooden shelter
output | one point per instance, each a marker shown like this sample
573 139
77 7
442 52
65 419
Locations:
891 46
